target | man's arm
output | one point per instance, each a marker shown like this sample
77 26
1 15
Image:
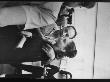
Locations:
18 15
12 16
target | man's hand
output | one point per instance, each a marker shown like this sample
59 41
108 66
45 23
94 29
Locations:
26 33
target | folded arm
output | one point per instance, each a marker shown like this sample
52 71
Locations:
35 16
12 16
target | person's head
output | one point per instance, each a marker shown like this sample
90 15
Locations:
65 48
87 4
80 4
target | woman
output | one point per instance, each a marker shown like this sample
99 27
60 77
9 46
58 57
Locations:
68 51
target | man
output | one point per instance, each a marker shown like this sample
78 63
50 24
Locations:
36 15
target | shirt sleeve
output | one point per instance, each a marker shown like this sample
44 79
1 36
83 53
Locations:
41 15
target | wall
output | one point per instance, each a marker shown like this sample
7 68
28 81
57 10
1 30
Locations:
84 21
102 58
82 65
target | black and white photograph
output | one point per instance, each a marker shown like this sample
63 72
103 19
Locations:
54 40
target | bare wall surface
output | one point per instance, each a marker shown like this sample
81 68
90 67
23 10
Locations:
102 59
84 21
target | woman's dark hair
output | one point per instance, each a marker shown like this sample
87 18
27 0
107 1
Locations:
70 51
44 57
